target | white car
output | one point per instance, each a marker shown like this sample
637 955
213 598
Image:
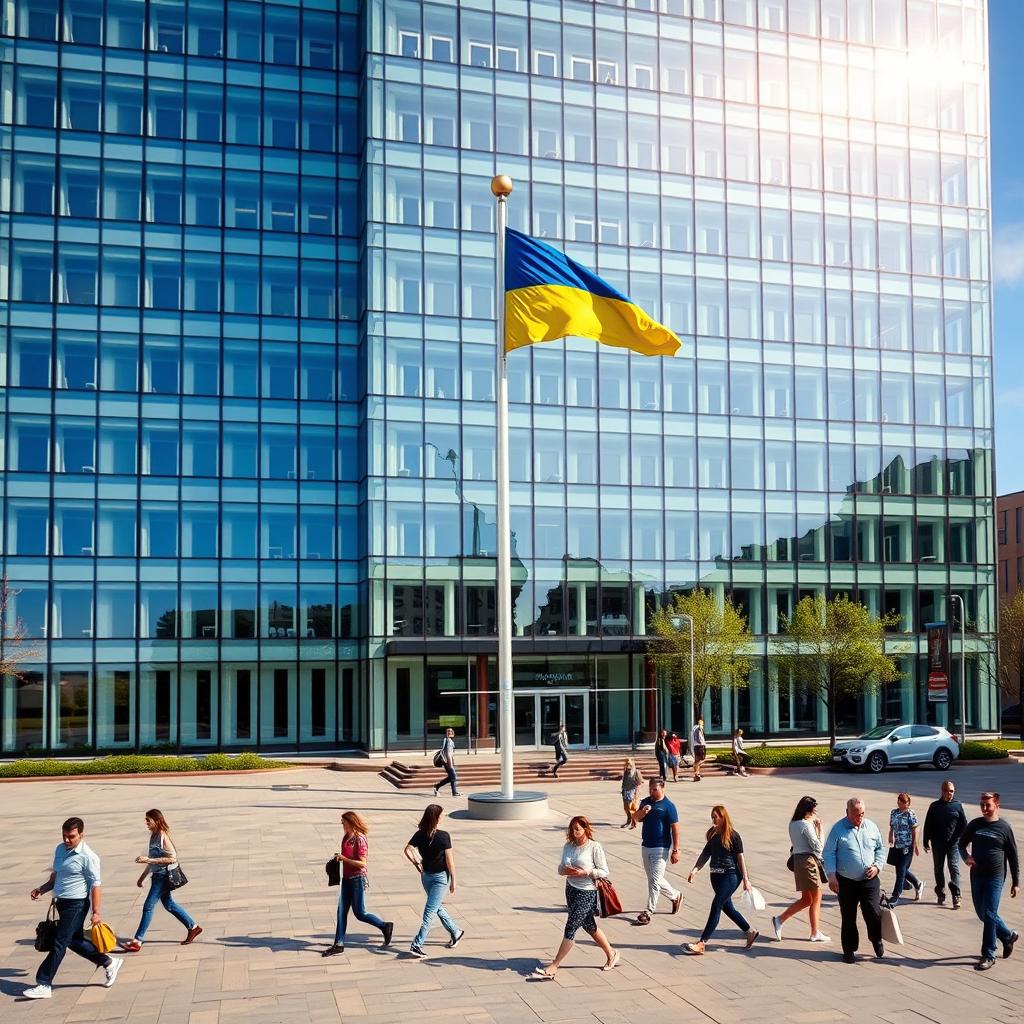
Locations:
887 745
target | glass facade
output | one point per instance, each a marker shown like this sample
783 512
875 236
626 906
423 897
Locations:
247 290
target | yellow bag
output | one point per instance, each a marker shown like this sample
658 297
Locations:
102 937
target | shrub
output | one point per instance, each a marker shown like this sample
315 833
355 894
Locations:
782 757
986 750
125 764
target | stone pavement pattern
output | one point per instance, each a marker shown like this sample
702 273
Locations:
254 848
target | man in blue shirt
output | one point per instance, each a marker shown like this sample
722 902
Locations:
659 846
75 883
854 858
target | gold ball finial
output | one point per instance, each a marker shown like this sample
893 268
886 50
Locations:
501 185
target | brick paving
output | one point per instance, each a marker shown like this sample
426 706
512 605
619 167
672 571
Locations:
254 848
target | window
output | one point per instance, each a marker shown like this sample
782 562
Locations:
545 63
409 44
508 58
480 55
441 48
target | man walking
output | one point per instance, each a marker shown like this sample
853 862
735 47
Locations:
944 824
75 883
447 753
854 857
561 742
698 747
659 845
993 847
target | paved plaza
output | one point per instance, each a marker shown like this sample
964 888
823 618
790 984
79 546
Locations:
254 847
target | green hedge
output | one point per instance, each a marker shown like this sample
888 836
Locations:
987 750
782 757
118 764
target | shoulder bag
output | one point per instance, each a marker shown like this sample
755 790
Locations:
46 930
439 761
176 878
608 898
790 864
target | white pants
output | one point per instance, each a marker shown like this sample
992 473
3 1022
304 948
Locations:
656 860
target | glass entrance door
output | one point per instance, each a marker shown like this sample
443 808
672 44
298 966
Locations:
539 713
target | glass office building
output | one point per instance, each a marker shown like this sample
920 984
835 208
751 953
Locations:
248 308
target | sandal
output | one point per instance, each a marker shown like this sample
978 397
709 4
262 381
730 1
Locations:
694 948
752 937
542 975
613 963
131 945
643 918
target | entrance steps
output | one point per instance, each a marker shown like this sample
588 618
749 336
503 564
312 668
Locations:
529 769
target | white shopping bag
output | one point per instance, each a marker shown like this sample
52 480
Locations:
752 900
891 931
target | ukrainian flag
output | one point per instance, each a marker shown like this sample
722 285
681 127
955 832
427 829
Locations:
549 296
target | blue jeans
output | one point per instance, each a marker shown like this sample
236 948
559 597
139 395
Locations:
724 885
942 857
451 777
71 917
160 892
353 897
986 891
435 886
904 876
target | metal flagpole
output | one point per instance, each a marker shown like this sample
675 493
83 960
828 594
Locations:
501 186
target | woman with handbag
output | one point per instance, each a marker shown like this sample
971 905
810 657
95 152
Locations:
805 862
164 877
430 852
354 883
632 780
903 843
582 865
724 849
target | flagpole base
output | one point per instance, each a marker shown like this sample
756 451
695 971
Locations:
525 805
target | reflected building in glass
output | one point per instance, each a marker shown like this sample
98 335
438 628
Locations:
248 307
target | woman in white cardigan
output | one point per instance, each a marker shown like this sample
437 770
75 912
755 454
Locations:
582 863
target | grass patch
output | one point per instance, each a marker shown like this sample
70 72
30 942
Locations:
987 750
125 764
782 757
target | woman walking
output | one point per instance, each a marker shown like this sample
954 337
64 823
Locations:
561 750
354 883
674 745
632 780
903 838
582 863
430 852
161 855
808 870
724 849
661 752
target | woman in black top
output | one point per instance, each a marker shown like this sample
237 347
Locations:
724 849
430 852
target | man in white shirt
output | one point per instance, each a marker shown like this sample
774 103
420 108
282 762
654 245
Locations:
698 748
75 883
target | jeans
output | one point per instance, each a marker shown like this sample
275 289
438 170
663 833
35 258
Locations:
656 860
450 777
904 876
986 891
724 886
160 892
560 758
71 917
353 897
941 857
435 886
865 893
662 763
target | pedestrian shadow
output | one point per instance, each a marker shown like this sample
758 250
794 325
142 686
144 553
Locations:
277 944
9 987
518 964
542 910
963 960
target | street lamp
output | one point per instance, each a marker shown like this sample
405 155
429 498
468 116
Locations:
963 671
677 621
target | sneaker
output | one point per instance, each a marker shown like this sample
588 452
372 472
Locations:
388 930
417 951
777 928
111 970
456 939
37 992
333 950
956 902
1008 945
879 950
986 963
193 933
821 937
918 890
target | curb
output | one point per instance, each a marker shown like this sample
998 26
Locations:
790 769
152 775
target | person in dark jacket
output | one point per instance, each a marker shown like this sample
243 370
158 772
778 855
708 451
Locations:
944 824
993 848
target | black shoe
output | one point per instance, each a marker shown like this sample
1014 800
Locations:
1008 945
435 791
879 950
417 951
986 963
956 902
456 939
333 951
849 957
388 930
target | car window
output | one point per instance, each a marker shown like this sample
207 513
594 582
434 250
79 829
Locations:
923 730
903 733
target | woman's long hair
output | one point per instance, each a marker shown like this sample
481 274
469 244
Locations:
431 816
725 829
355 822
804 806
161 822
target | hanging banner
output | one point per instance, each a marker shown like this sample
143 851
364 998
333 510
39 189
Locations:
938 661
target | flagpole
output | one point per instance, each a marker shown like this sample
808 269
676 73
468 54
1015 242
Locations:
501 187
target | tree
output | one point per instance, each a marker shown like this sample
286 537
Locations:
15 646
721 641
834 649
1011 650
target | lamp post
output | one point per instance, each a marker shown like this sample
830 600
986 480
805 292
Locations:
963 671
677 621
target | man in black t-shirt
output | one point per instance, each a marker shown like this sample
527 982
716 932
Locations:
993 848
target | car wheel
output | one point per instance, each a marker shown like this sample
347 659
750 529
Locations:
876 762
943 759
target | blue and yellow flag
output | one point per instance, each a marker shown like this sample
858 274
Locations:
549 296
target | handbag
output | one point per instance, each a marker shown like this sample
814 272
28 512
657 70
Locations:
891 931
895 856
790 863
46 930
608 898
102 936
333 869
439 761
752 899
176 877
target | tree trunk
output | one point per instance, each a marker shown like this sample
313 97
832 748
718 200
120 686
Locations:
831 716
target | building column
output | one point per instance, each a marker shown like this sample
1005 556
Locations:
650 723
449 608
581 608
483 711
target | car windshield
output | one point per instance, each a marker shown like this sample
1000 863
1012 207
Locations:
878 733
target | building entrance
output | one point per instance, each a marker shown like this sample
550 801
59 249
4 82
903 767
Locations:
538 713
